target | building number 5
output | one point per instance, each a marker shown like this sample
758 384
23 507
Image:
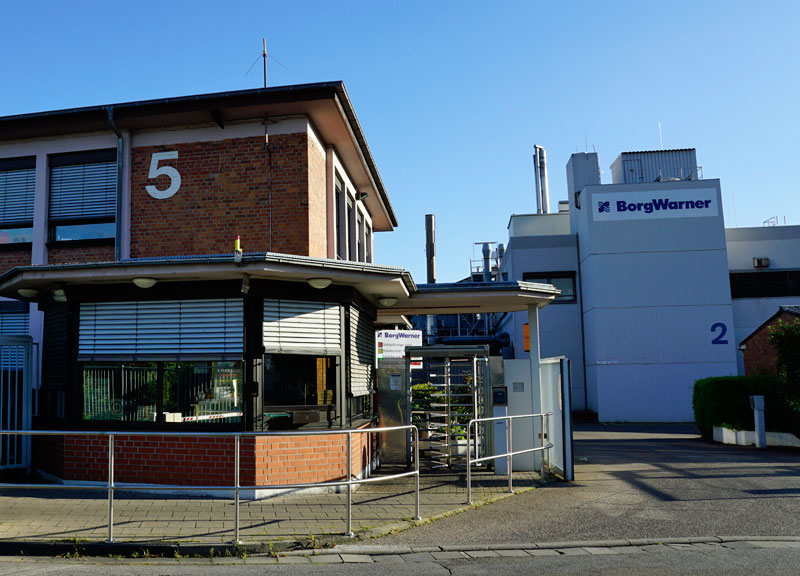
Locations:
156 171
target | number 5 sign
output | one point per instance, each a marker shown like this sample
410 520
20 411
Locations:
156 171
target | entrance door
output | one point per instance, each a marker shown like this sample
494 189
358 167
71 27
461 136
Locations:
15 400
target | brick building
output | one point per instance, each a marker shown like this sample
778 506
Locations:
760 356
119 234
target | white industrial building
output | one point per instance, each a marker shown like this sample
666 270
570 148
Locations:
655 292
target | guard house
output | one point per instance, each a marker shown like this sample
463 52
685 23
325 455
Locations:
206 263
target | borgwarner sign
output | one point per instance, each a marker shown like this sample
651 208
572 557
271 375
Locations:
694 203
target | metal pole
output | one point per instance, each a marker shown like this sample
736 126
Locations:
349 485
469 465
416 466
509 458
110 488
236 491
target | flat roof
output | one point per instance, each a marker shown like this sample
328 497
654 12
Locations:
391 289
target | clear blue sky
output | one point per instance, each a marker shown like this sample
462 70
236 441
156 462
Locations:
452 96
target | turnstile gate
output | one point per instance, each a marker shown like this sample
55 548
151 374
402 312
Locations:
448 388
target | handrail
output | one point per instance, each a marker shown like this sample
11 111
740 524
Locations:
545 416
110 486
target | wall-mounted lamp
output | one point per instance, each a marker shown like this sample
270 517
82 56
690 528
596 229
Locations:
144 282
246 284
361 196
27 292
319 283
387 301
59 295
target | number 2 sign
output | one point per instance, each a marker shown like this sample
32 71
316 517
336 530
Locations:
168 171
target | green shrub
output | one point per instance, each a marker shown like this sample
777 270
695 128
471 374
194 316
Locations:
724 401
785 337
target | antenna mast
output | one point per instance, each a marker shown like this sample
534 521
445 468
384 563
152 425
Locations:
265 62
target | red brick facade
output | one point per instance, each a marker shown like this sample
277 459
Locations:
760 357
229 188
12 257
75 255
204 461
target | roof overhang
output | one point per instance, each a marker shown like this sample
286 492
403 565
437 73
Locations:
326 104
390 289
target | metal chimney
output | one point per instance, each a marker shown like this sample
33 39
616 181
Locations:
487 266
430 246
540 175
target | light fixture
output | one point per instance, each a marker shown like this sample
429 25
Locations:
246 284
319 283
59 295
387 301
144 282
361 196
27 292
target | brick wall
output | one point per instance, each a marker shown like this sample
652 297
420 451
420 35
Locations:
78 255
225 192
12 257
317 203
760 357
203 461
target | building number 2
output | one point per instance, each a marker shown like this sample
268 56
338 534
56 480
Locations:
168 171
719 338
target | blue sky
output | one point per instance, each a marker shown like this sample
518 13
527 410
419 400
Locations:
452 96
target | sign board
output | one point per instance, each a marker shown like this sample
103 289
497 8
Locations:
392 343
654 205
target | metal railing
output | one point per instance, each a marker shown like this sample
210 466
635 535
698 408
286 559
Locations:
110 486
509 456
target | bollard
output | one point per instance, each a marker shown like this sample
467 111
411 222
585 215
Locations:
757 404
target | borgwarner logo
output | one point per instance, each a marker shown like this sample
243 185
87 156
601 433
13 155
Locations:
655 205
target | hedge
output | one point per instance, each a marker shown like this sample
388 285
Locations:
724 401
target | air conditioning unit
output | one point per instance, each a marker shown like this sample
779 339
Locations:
760 262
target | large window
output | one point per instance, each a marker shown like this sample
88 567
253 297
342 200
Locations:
564 281
198 392
83 190
341 226
766 284
17 187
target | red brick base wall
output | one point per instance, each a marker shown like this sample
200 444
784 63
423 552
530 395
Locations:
204 460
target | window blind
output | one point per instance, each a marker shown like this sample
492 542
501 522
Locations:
17 188
172 329
297 327
83 191
362 352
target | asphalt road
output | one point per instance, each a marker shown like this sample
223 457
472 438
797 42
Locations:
639 481
665 561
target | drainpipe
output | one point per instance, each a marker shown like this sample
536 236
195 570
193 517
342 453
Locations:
118 210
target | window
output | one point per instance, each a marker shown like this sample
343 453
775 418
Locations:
196 392
340 224
17 187
303 349
368 243
564 281
768 284
164 361
14 318
351 230
83 190
360 238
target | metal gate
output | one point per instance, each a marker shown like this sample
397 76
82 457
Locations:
15 400
448 389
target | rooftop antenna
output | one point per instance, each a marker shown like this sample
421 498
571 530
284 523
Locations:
264 55
265 61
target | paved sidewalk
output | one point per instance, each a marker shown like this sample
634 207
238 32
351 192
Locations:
378 507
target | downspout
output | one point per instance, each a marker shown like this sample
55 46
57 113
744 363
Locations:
118 209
